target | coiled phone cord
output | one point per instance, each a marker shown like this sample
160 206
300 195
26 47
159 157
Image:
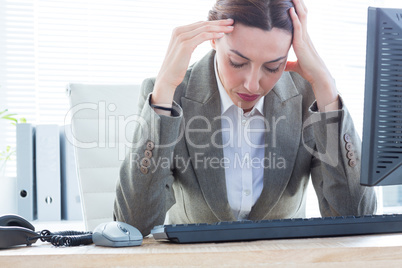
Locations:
65 238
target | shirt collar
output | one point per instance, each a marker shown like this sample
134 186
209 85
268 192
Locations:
227 103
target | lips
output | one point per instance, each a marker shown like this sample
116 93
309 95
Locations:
247 97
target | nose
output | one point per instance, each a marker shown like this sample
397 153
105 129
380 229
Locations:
252 81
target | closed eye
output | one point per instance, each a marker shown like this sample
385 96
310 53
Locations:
236 65
272 70
240 65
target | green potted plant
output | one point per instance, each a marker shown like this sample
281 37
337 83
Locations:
8 185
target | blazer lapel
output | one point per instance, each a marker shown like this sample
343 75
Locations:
282 109
202 111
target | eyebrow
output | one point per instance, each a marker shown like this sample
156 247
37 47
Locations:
244 57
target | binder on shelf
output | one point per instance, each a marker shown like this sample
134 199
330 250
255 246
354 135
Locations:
48 172
26 183
71 208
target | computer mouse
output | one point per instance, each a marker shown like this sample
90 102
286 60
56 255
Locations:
116 234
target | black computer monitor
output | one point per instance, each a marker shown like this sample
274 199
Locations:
381 162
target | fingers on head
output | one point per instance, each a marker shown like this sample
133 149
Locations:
295 19
304 7
186 28
301 9
192 30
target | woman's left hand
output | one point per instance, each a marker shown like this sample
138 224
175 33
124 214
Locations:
309 64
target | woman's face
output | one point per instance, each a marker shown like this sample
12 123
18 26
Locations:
250 62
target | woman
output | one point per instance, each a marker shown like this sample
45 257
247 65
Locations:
238 134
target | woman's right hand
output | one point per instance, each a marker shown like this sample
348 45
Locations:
183 42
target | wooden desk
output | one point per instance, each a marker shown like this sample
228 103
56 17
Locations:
351 251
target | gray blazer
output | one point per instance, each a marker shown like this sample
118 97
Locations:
174 161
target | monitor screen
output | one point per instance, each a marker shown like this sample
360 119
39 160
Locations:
382 120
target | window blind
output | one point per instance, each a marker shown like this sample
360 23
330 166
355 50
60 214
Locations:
85 41
17 67
46 44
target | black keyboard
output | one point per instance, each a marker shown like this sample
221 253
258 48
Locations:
278 229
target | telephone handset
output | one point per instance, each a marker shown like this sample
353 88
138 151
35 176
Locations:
15 230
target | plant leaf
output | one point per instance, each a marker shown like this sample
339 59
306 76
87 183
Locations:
8 117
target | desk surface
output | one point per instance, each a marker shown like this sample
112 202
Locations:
349 251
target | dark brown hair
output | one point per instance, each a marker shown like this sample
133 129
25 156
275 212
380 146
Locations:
263 14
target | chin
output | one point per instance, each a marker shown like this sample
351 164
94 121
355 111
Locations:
249 105
247 108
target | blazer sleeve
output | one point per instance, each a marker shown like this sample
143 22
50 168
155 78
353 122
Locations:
335 170
144 190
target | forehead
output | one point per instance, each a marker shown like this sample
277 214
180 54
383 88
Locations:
257 44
